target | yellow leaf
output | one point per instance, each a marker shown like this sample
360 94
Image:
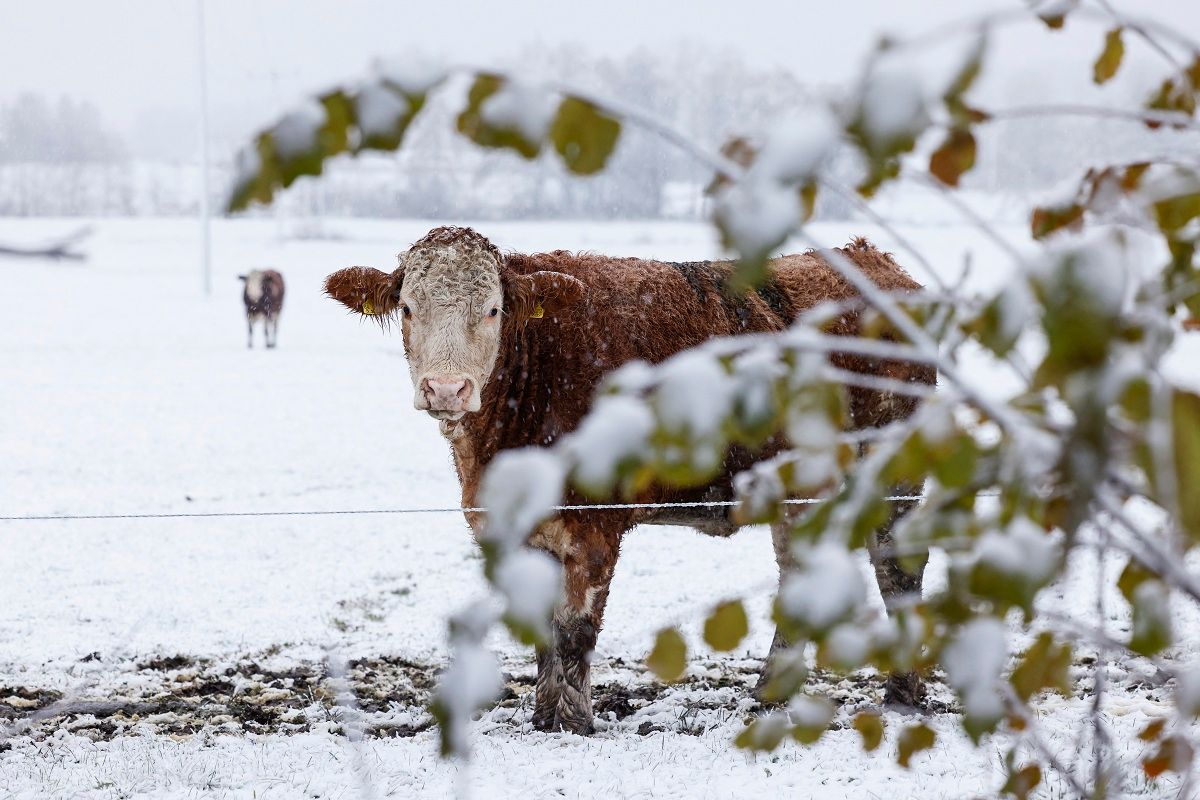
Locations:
1152 731
668 659
1175 753
1110 57
1186 424
583 135
1046 221
1043 666
870 727
726 626
1022 782
914 739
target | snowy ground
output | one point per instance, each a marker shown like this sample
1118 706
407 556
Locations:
193 653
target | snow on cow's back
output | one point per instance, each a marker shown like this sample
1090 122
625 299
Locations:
643 308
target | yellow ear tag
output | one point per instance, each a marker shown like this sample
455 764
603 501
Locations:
538 312
368 307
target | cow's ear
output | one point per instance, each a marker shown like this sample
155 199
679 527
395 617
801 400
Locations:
541 293
366 290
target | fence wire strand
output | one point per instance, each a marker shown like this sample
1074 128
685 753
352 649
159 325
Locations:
444 510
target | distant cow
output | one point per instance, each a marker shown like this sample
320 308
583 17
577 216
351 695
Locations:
507 351
263 296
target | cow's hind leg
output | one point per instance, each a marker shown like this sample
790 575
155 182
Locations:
897 583
271 330
249 331
781 541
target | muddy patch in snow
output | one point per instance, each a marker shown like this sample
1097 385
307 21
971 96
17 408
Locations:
180 697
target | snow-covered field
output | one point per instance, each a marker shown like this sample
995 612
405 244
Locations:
193 653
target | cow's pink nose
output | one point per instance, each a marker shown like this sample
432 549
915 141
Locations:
447 392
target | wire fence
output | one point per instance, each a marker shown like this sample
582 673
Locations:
442 510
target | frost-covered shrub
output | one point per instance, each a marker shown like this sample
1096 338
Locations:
1014 489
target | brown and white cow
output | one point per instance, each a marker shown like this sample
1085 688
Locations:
263 296
506 350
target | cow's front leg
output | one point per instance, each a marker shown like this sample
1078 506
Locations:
564 666
549 684
896 582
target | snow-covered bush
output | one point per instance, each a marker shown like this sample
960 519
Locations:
1014 488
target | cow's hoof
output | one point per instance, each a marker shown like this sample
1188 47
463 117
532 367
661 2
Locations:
764 693
783 674
580 727
905 692
543 724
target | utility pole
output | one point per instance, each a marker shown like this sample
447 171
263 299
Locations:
205 211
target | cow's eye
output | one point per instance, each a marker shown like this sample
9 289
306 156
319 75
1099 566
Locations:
493 312
407 312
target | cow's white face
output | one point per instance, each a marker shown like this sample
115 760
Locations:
456 299
451 303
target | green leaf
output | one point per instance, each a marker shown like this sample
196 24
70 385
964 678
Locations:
1080 329
1003 320
955 156
810 717
726 626
584 136
389 113
256 184
962 114
786 674
1043 666
1175 212
1109 61
808 199
339 117
869 725
668 659
525 631
913 739
1152 627
1133 576
883 142
954 461
763 734
472 124
339 130
1174 94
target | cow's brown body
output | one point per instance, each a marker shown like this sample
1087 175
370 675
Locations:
548 368
546 377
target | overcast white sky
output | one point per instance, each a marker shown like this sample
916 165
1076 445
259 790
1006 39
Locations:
137 59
